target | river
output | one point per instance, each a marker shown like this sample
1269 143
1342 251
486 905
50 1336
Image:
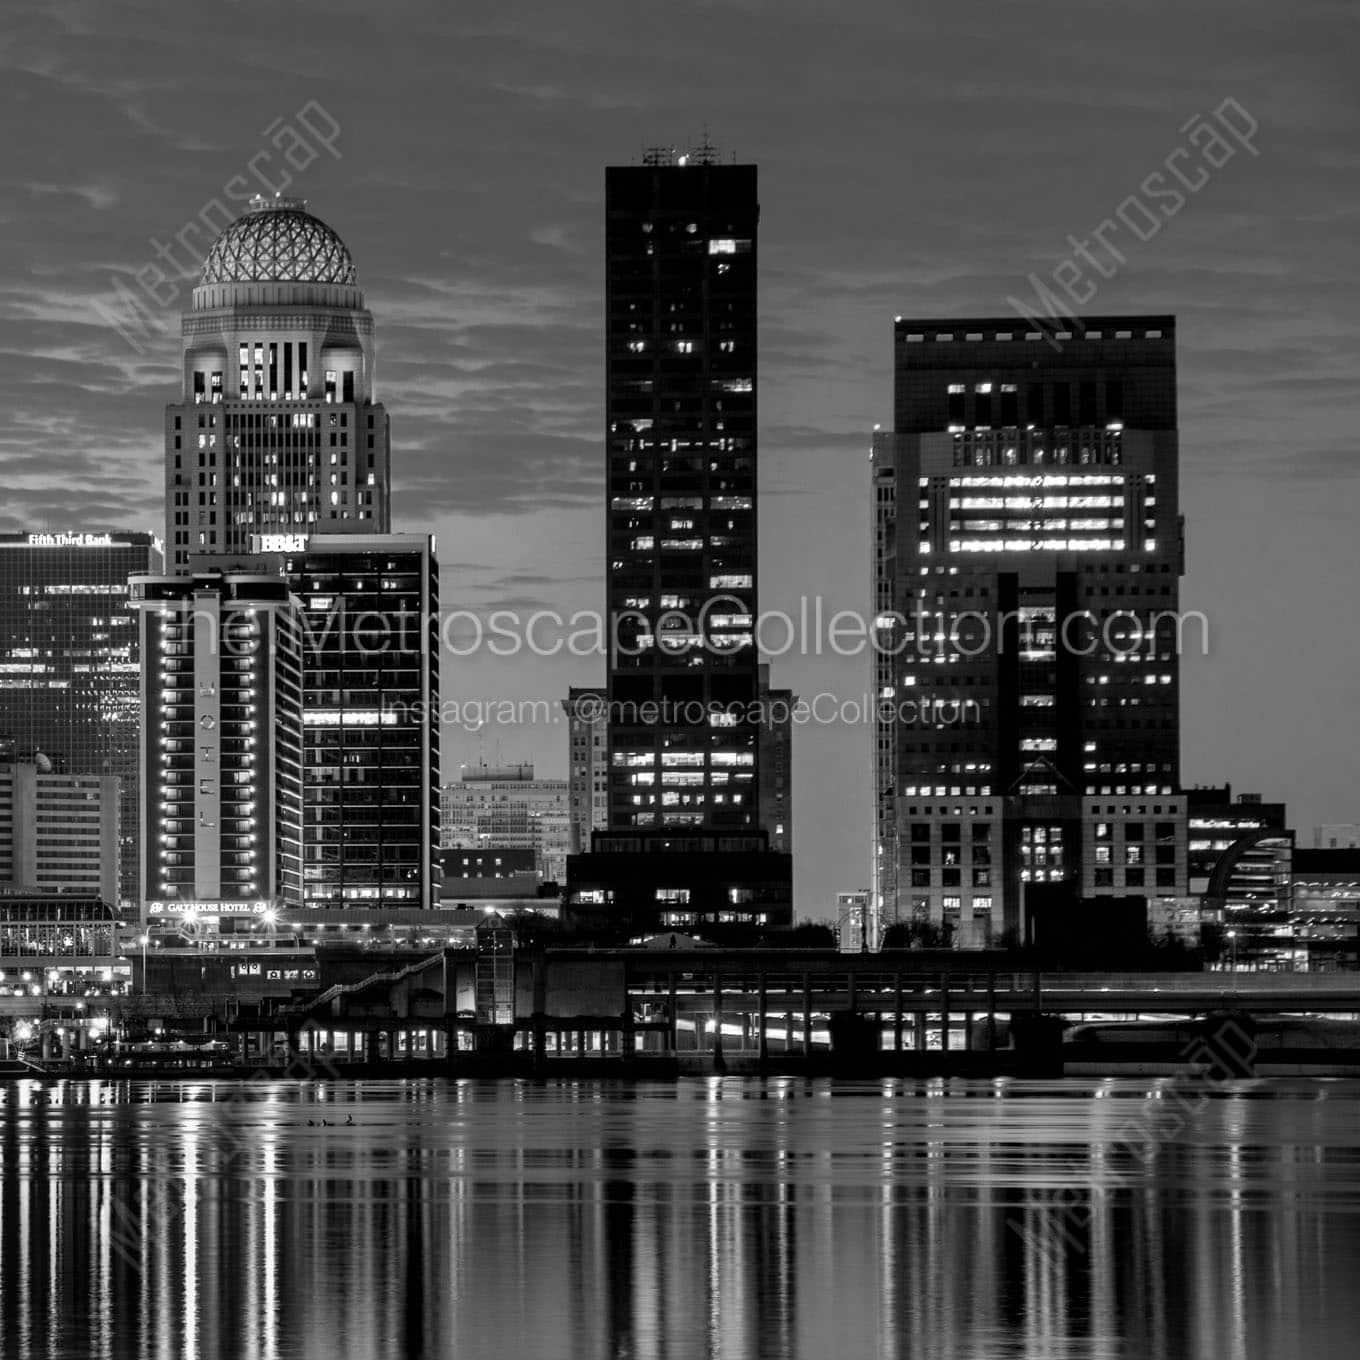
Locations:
726 1217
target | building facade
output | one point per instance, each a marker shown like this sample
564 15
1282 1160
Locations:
774 763
1028 552
69 661
587 764
369 617
277 501
683 843
503 807
681 405
58 832
278 430
221 746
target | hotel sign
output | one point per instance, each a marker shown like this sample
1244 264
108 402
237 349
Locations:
209 908
70 540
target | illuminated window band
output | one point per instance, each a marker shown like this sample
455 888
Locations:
352 717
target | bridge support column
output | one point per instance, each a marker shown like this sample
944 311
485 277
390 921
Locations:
897 1012
719 1062
922 1034
762 1043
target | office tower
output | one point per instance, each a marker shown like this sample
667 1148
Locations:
58 832
277 468
503 807
346 682
221 745
774 762
1028 551
278 430
680 373
69 661
369 614
683 846
587 764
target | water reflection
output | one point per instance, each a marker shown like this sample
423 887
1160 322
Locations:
722 1218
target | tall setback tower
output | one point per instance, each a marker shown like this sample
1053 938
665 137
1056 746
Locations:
277 432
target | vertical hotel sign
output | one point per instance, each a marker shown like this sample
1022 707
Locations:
207 639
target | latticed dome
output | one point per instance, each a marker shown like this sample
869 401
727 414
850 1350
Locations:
278 241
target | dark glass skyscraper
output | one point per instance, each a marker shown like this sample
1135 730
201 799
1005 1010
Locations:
1028 555
684 846
680 282
369 611
69 661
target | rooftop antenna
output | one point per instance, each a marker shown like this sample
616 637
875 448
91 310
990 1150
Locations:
705 153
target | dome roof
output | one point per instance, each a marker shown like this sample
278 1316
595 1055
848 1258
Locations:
278 241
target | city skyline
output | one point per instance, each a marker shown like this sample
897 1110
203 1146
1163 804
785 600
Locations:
490 300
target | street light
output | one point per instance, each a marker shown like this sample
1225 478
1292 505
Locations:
144 940
1232 946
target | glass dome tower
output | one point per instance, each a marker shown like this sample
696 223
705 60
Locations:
278 434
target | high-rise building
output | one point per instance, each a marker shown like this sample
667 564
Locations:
684 844
680 373
587 764
69 661
278 430
774 762
503 807
278 477
1028 552
221 745
58 832
369 609
339 681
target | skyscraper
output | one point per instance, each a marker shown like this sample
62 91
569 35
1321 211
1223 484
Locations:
1028 551
277 483
221 744
370 720
684 845
588 764
69 661
680 374
277 430
316 769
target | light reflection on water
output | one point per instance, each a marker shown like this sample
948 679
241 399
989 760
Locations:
726 1218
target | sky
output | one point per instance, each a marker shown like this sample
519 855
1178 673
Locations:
915 158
